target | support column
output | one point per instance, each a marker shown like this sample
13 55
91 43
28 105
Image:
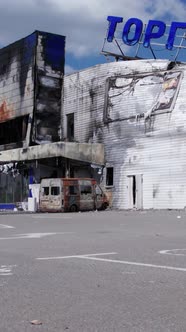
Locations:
67 168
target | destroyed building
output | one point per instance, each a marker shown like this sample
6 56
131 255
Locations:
123 123
32 143
137 110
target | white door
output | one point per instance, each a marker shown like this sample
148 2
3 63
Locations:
135 191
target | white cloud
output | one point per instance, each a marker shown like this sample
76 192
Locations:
69 69
83 22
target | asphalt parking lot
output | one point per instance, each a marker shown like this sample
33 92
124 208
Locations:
96 271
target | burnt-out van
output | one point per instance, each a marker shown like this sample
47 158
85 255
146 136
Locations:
71 194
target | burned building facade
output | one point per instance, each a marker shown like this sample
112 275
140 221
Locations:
137 110
31 76
32 144
123 123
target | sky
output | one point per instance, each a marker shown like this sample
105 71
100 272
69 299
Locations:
83 22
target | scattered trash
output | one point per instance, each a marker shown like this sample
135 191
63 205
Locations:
36 322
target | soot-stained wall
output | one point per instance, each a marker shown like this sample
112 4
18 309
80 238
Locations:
50 57
16 90
137 110
31 76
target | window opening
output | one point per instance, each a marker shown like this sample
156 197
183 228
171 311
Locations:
13 131
73 190
45 191
109 176
86 189
55 191
70 126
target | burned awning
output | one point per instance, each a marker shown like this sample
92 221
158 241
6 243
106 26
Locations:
87 152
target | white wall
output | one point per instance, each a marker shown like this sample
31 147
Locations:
155 147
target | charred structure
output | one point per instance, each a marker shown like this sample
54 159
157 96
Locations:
31 76
31 122
122 123
137 110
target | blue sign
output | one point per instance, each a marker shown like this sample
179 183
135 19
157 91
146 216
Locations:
155 29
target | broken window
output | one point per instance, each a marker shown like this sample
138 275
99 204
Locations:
55 191
45 191
86 189
73 190
109 176
47 113
70 127
13 131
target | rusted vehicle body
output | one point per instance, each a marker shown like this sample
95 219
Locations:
70 195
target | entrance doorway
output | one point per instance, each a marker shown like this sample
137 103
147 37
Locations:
135 191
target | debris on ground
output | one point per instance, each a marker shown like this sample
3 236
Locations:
36 322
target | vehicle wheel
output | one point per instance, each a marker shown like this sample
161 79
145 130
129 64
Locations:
73 208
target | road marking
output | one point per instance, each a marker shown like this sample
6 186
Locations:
6 270
173 268
5 226
75 256
33 235
51 217
94 258
174 252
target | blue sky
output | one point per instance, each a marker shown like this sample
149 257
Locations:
83 22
